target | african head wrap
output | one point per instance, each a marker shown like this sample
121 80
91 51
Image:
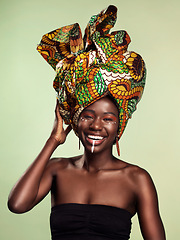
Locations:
90 68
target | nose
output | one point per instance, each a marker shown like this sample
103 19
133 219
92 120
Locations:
96 124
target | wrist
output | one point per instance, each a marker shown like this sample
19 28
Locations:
52 141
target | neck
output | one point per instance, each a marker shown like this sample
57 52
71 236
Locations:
98 161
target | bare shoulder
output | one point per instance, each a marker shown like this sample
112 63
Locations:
142 183
56 164
138 173
138 176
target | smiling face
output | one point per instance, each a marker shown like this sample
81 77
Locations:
98 125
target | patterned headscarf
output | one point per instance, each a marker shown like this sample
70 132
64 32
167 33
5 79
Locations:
93 67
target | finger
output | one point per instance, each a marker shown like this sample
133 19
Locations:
57 109
57 105
68 129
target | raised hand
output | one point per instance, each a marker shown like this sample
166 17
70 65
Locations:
58 132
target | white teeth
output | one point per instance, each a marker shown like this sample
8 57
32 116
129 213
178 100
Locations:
95 137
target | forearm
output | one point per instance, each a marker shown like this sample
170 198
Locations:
26 189
157 232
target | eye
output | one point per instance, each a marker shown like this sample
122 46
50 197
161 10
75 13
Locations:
108 119
111 120
86 117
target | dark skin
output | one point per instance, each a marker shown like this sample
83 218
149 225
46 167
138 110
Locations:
95 177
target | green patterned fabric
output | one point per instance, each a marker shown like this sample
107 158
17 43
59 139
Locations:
92 67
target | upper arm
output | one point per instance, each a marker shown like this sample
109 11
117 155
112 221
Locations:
46 182
147 208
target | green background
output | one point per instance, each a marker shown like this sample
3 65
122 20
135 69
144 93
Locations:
151 139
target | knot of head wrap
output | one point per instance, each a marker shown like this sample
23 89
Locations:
90 68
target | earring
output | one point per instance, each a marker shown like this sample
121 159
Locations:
79 144
117 146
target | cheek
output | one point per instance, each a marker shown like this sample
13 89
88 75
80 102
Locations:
113 129
81 126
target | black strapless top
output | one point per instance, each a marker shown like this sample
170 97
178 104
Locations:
74 221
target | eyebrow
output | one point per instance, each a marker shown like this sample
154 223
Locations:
89 110
110 113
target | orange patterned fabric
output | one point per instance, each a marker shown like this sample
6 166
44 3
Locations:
92 67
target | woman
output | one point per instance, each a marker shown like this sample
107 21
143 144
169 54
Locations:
94 196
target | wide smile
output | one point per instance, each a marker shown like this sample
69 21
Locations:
94 139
